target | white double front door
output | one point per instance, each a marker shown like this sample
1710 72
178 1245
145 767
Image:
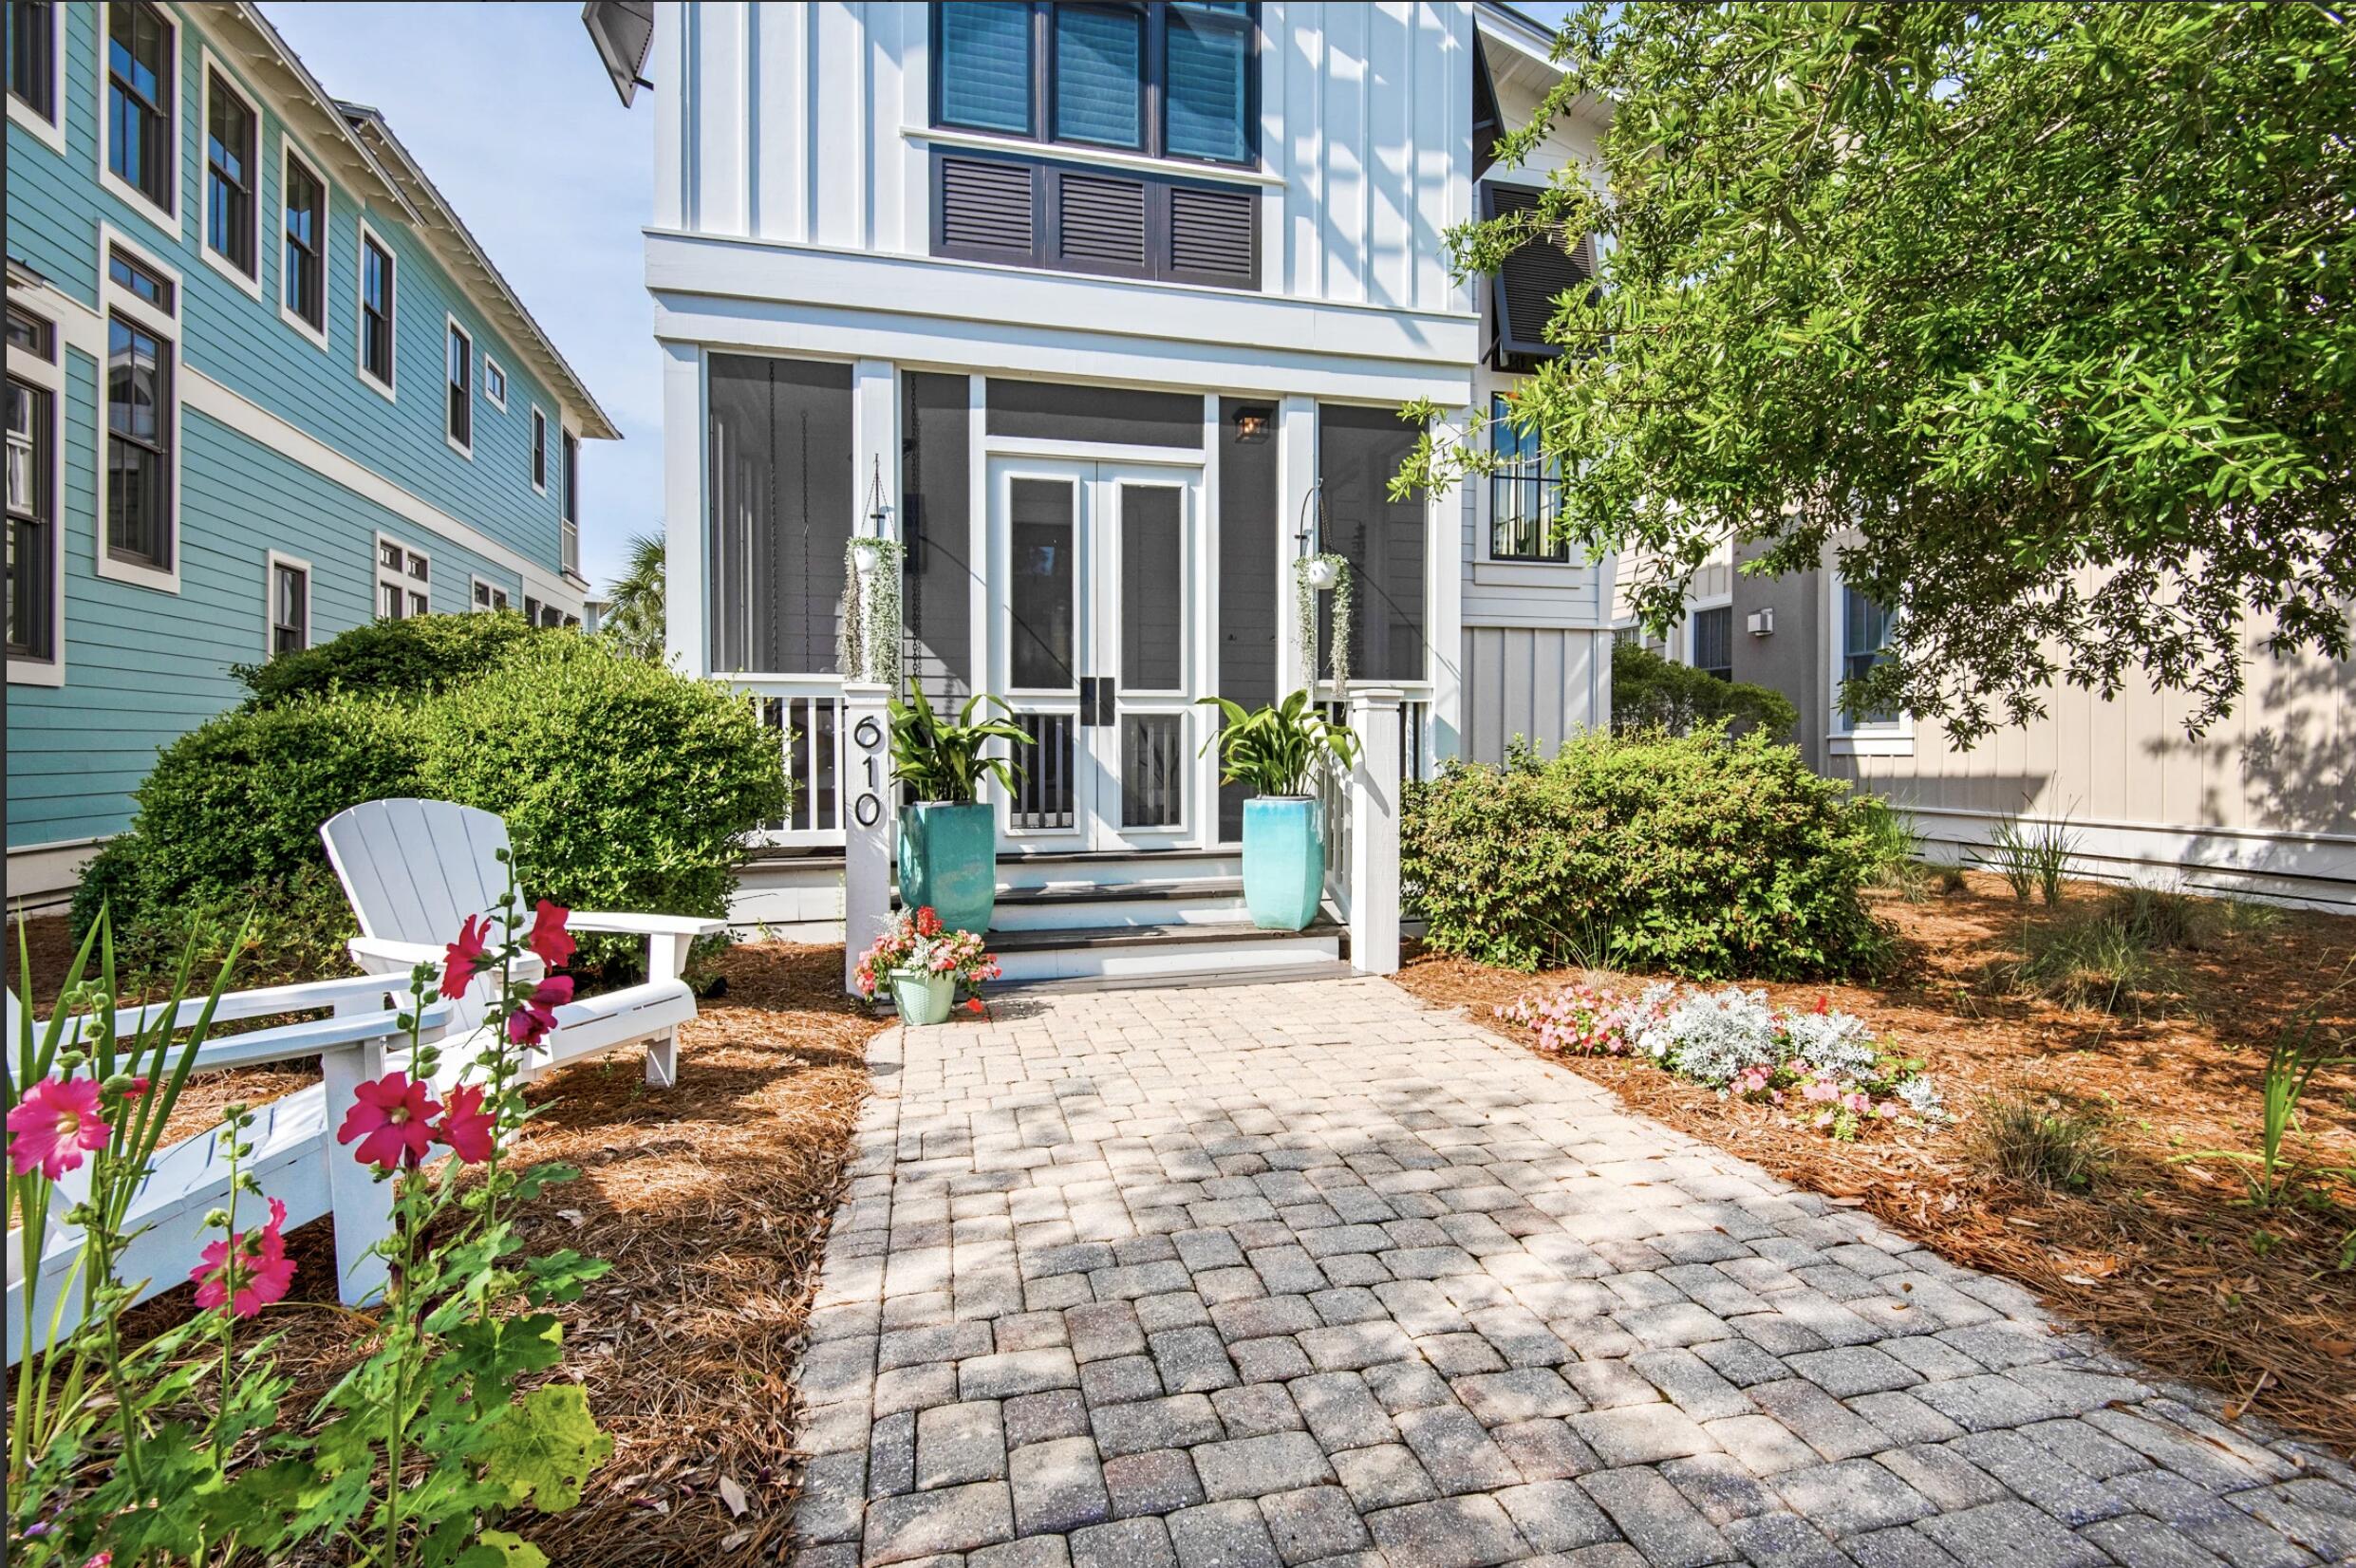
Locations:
1098 573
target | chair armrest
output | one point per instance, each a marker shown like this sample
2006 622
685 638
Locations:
252 1004
308 1040
647 925
402 955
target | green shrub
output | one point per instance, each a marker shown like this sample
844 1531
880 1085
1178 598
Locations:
407 658
1652 693
1709 859
235 806
625 784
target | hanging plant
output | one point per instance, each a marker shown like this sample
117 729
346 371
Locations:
1310 574
866 641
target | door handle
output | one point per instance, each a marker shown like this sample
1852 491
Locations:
1096 702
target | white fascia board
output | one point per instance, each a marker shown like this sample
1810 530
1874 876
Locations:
1174 317
985 347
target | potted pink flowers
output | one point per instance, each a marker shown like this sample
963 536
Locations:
924 963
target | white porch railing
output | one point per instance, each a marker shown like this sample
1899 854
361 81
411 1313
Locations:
806 716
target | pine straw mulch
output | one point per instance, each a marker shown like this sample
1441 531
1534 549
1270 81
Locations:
2164 1256
711 1200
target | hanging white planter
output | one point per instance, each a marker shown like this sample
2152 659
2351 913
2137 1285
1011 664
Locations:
1321 571
866 556
1312 575
868 634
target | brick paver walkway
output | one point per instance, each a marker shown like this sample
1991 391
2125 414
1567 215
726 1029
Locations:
1305 1273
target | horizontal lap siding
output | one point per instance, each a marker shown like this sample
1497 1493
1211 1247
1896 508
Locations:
143 666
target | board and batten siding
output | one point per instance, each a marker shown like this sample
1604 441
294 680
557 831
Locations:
809 124
142 667
1543 684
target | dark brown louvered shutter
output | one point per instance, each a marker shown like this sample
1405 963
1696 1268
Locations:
1100 223
1487 124
1213 236
1525 289
986 209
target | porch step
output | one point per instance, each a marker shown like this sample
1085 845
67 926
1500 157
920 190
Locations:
1177 951
1124 906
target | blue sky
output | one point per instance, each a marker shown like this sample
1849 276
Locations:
510 112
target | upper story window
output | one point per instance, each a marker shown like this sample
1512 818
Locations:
32 502
139 431
460 426
376 309
142 281
1167 81
290 605
539 452
568 535
1525 494
32 57
230 203
1713 642
141 59
305 264
494 384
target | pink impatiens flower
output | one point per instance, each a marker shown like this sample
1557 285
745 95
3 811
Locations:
466 1127
56 1123
548 937
466 958
390 1118
530 1023
249 1271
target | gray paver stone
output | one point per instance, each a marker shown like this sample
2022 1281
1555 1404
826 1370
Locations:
1313 1523
1455 1451
1131 1543
1383 1477
1779 1540
1221 1534
1152 1483
1255 1466
956 1443
1180 1421
1452 1532
2012 1534
1058 1487
1852 1497
1555 1515
957 1519
1643 1434
1656 1518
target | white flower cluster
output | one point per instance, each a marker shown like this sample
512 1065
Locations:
1838 1045
1709 1036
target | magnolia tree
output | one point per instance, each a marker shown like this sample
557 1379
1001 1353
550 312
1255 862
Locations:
175 1448
2037 315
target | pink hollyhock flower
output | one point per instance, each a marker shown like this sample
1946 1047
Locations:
390 1118
466 1127
249 1271
55 1124
548 937
531 1023
465 959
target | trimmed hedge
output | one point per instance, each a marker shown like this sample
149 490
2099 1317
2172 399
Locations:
1691 854
407 658
1652 693
625 784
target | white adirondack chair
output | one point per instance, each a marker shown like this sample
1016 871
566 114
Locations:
294 1156
415 869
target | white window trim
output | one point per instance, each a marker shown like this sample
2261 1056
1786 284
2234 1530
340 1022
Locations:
1842 738
538 432
490 365
389 391
380 574
473 357
50 133
174 222
209 69
113 297
480 588
290 150
50 375
271 561
567 495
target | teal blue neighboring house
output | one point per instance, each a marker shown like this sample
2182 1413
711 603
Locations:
262 385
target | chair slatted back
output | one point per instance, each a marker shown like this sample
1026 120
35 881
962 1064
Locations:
415 869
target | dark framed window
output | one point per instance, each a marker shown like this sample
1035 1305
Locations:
1713 642
32 68
140 87
1172 80
29 334
1865 642
305 263
568 534
232 135
459 423
403 580
488 597
493 381
376 309
290 607
144 281
33 517
139 445
539 450
1525 494
782 499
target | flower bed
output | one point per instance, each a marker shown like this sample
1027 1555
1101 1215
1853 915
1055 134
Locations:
1824 1066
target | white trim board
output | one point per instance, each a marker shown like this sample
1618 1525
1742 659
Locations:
49 132
47 376
2317 869
210 65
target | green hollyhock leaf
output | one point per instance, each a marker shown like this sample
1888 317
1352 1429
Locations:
502 1549
545 1446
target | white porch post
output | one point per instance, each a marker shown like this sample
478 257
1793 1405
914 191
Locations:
686 644
867 822
1375 833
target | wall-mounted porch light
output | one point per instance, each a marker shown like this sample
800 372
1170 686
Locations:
1253 424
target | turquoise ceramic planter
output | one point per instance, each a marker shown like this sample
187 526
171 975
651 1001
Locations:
1284 862
922 998
948 858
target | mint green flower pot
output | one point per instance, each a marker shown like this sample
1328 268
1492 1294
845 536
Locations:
922 997
948 858
1283 861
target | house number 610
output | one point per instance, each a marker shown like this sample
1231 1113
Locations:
869 809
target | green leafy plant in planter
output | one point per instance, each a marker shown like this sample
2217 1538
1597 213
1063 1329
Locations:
1278 753
948 837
